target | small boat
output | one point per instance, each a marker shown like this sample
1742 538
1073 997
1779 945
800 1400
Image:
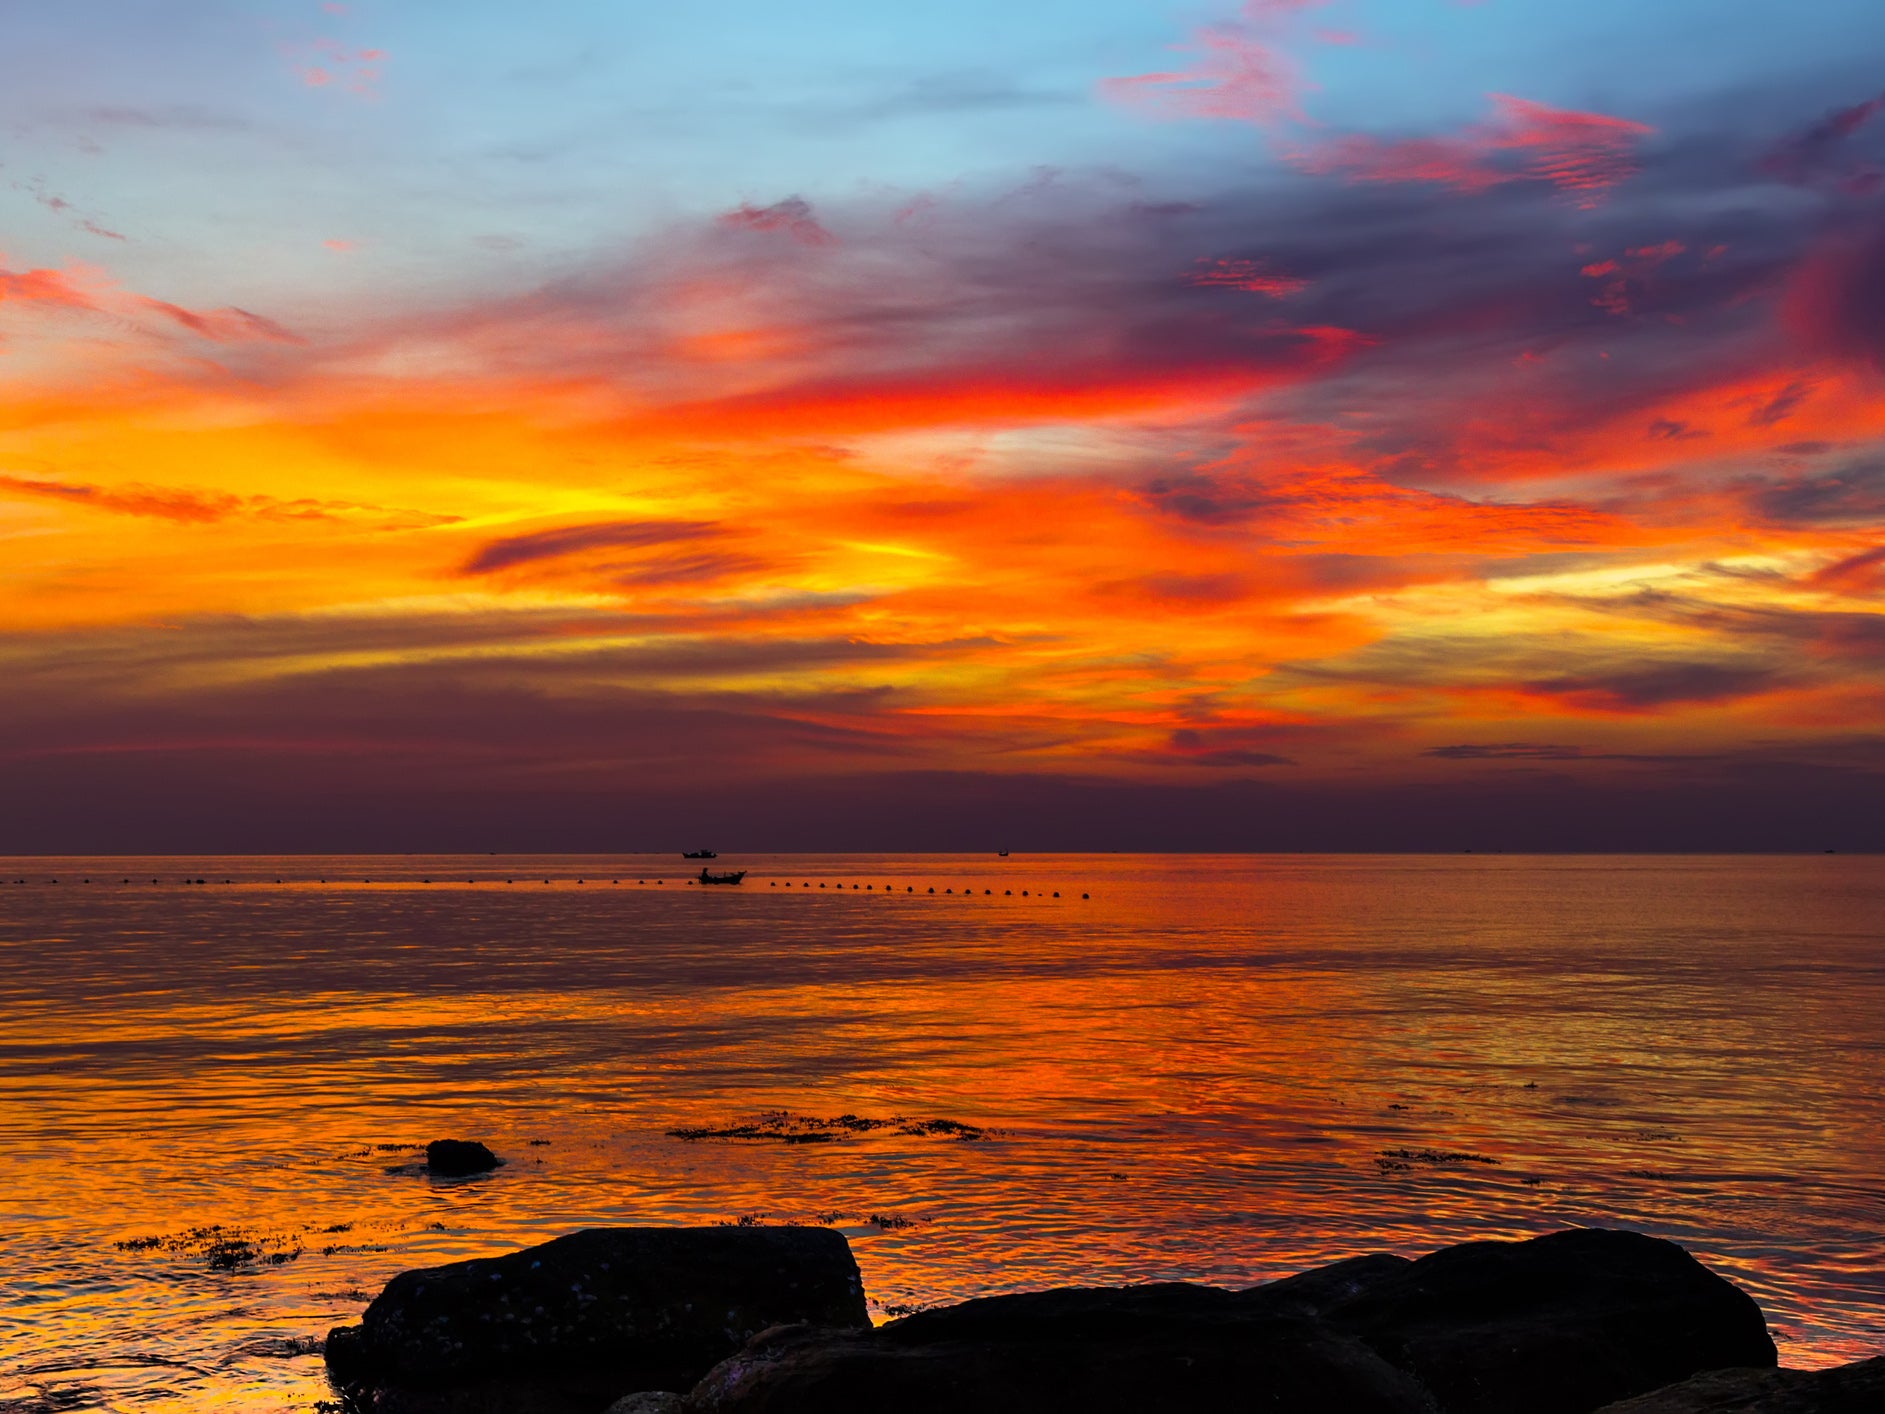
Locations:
1001 854
698 854
732 878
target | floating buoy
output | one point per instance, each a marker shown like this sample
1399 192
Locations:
1056 893
932 891
1083 896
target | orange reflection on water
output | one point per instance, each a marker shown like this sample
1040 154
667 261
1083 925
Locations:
1219 1069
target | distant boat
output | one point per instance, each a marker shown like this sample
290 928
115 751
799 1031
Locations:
698 854
707 878
1001 854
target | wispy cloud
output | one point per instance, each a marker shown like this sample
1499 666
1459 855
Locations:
1583 155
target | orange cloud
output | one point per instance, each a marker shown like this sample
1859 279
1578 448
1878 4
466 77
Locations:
58 288
1029 488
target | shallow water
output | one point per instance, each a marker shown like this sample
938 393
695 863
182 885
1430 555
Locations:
1224 1069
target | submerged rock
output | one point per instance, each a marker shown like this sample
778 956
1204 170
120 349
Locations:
1560 1324
589 1317
1846 1389
457 1158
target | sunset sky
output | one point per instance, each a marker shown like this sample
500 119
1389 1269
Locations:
1371 423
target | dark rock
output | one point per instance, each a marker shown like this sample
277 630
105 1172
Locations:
1561 1324
1315 1291
1847 1389
649 1402
1557 1325
455 1158
1100 1351
589 1317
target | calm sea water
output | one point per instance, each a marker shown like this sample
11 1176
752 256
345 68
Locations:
1223 1069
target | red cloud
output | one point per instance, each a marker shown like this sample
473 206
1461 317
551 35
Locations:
1584 154
1837 300
793 216
1247 275
162 502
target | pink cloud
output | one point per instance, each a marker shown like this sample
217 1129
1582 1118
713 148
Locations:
88 290
792 217
1237 76
222 326
1241 72
1627 279
1582 154
328 62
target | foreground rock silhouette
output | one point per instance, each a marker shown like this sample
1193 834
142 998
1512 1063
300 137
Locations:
578 1322
1849 1389
771 1321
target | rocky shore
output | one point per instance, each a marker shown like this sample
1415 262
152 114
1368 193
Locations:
772 1320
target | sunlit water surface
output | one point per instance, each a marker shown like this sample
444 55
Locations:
1222 1069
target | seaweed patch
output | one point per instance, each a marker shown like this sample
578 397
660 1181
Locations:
1404 1160
784 1127
224 1249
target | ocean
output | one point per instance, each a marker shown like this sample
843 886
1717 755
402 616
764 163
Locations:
991 1074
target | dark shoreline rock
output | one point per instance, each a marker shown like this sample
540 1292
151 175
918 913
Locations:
1555 1325
1560 1324
1858 1388
765 1320
590 1316
1163 1347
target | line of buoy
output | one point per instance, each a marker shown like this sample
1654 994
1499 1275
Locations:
770 883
